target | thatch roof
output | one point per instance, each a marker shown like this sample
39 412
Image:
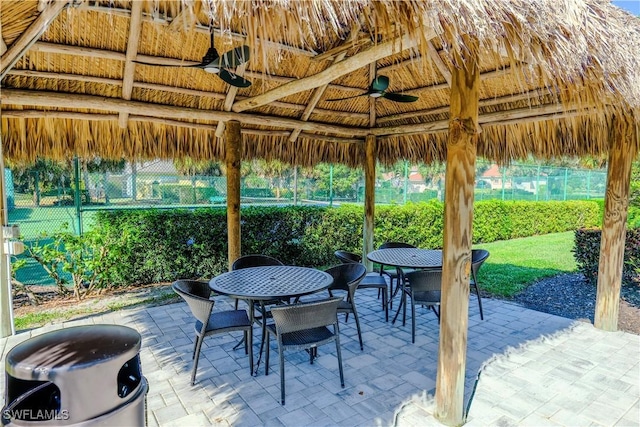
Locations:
553 74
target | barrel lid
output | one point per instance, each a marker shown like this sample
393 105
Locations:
73 348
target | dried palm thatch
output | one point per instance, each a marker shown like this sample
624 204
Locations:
554 73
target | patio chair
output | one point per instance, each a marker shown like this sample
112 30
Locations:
304 326
424 288
394 273
197 295
370 281
347 277
478 257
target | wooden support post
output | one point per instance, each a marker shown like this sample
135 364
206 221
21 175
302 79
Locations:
456 256
621 155
369 198
233 149
6 295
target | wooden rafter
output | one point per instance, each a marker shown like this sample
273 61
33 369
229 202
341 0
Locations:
315 98
135 26
331 73
59 100
439 63
156 20
174 89
30 35
372 100
46 47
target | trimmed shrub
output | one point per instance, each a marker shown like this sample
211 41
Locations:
587 255
164 245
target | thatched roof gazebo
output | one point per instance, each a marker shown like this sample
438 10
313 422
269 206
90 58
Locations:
501 79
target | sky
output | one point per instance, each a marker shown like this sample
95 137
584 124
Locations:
632 6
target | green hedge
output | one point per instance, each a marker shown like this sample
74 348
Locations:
587 255
161 245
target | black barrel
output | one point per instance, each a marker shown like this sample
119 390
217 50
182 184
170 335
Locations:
82 376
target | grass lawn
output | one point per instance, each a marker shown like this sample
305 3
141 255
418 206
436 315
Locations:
514 264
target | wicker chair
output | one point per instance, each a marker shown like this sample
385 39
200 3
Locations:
478 257
347 277
304 326
424 289
370 281
197 294
394 273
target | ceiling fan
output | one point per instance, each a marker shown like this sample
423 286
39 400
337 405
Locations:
214 63
378 88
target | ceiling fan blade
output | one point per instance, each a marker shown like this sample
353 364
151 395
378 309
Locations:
348 97
235 57
233 79
379 84
398 97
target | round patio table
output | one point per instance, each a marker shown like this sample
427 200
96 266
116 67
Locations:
425 259
267 283
408 257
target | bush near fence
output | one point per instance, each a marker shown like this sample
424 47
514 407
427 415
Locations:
587 255
160 245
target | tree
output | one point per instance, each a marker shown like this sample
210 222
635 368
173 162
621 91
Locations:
42 175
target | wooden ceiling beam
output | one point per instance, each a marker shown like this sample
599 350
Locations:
63 100
439 63
30 35
167 21
313 101
72 115
536 93
46 47
174 89
135 27
329 74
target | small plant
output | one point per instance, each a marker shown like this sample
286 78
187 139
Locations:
84 258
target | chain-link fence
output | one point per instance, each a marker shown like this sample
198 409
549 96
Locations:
43 203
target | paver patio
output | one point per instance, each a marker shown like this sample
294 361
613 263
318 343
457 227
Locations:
535 369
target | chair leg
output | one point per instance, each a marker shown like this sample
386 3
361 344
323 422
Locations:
195 346
339 353
196 358
404 306
413 322
266 362
385 301
249 340
281 351
355 316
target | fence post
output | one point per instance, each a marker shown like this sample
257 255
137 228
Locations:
588 184
406 180
331 185
566 179
76 182
504 176
538 184
295 185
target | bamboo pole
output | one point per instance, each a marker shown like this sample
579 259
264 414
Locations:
6 296
233 154
369 198
456 254
30 35
135 27
621 155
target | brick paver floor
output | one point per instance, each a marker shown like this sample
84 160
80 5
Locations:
523 368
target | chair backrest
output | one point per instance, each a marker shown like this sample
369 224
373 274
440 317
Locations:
348 257
196 294
391 245
426 281
478 257
306 315
347 277
254 260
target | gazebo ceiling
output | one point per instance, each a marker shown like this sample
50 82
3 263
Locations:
553 73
